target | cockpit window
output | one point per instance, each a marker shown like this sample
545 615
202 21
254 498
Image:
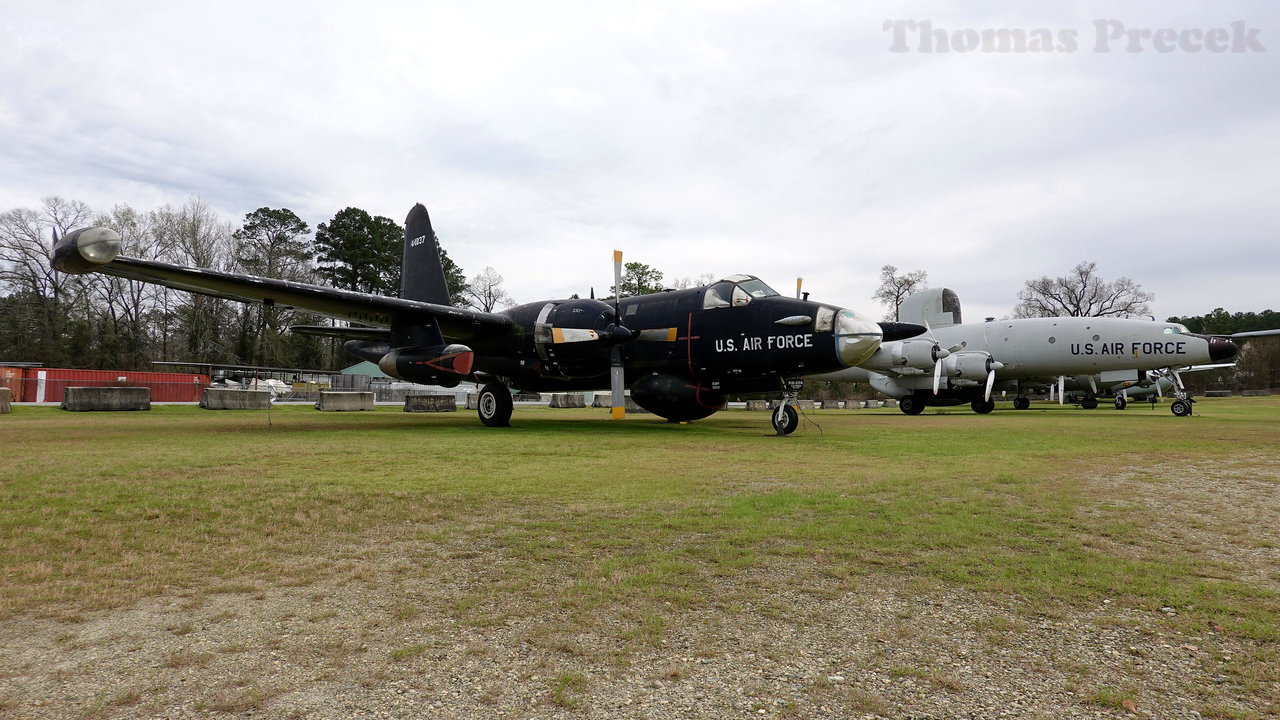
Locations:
735 291
825 319
1176 330
757 289
717 296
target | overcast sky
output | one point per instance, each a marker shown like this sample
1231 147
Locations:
777 139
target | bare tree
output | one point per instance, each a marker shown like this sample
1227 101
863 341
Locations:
683 283
1082 294
895 288
485 292
52 302
195 235
126 309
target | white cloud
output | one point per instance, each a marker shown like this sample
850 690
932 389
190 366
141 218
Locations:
784 140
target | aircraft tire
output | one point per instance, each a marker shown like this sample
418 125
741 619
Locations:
494 405
1180 408
786 420
1021 403
910 405
982 407
1121 403
1089 403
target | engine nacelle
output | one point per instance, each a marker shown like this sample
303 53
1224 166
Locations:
914 354
573 337
444 365
84 250
967 366
675 398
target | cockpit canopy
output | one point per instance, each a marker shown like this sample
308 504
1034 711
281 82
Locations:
1177 329
735 291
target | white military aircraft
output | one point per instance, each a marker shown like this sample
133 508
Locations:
954 363
1152 384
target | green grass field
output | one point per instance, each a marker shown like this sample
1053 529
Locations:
619 527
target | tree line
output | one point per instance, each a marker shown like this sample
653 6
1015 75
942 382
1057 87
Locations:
97 321
102 322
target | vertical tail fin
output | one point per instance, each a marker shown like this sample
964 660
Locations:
935 307
422 275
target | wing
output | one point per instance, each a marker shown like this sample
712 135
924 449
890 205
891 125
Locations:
93 250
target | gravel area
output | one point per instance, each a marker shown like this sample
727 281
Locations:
399 632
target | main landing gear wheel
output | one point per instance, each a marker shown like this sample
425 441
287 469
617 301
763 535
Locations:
910 405
1121 403
1021 403
1181 408
982 407
1089 403
786 419
494 405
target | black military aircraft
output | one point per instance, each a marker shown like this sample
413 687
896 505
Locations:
681 352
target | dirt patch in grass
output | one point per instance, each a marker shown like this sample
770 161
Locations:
1225 511
485 638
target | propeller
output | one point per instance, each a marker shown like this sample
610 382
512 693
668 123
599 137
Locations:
992 366
617 379
939 354
799 283
1062 389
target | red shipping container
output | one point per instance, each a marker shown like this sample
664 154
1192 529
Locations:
13 378
49 384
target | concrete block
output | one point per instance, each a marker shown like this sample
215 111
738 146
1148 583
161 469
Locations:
232 399
602 400
1255 393
84 399
757 404
805 404
6 400
430 403
891 403
1217 393
568 400
473 401
344 401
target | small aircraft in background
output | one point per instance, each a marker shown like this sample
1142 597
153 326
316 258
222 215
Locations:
952 363
680 353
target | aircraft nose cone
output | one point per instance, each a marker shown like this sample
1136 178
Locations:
1221 349
856 337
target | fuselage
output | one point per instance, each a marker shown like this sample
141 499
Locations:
1033 349
735 336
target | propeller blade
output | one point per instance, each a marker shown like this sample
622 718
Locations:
617 384
617 377
617 280
799 283
1062 389
937 375
572 335
991 380
657 335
